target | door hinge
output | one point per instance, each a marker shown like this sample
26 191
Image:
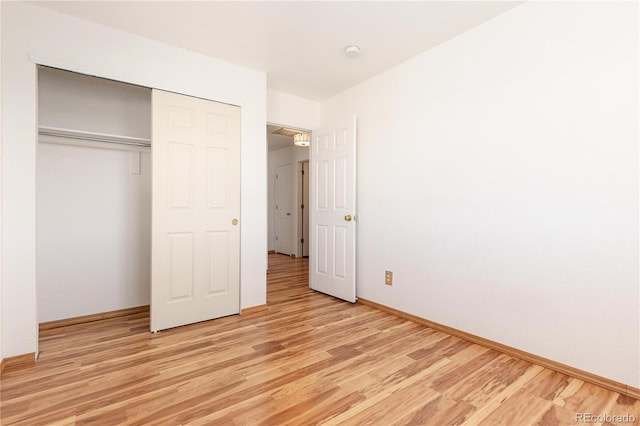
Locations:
302 206
302 240
276 238
302 171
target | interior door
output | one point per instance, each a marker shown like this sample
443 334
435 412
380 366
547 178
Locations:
332 257
195 260
283 209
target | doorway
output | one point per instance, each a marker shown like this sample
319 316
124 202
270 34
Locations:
93 192
284 218
331 235
285 192
303 208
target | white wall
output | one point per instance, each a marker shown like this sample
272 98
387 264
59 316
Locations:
94 231
32 33
1 144
498 180
80 102
293 111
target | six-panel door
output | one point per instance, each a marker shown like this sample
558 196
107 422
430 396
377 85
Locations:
196 206
333 203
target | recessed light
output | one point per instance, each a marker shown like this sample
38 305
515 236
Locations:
352 51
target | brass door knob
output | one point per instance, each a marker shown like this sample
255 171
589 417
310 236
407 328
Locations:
234 222
348 218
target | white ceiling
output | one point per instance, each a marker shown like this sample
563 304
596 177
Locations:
299 44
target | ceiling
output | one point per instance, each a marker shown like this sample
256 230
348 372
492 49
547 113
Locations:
298 44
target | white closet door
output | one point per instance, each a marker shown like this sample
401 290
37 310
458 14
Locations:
195 271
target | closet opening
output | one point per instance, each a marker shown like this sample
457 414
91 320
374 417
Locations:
93 214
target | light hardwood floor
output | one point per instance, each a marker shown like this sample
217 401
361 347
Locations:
309 359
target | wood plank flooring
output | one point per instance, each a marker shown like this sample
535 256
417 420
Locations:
309 359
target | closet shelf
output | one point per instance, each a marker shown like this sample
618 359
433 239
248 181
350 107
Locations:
93 136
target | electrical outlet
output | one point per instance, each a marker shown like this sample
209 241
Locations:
388 277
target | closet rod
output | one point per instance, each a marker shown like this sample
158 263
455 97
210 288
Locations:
94 138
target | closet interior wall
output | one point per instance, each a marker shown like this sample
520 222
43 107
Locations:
93 197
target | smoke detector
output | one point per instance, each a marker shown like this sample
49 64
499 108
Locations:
352 51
